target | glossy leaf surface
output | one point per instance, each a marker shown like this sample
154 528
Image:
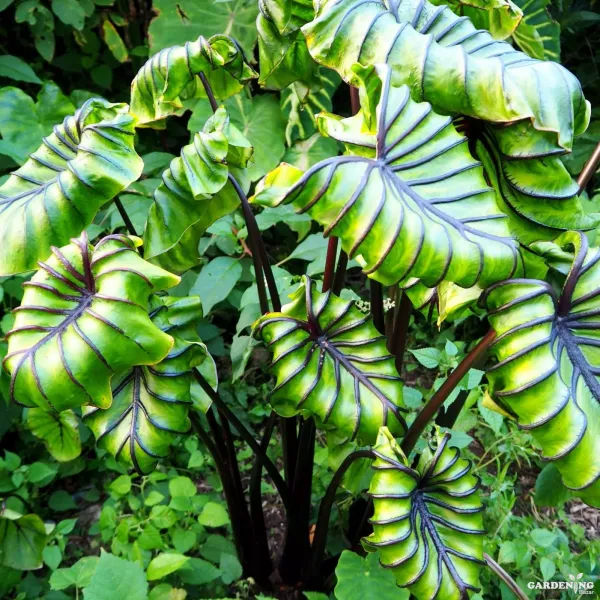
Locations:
194 193
331 362
427 522
84 317
172 76
410 202
548 363
82 165
448 62
151 403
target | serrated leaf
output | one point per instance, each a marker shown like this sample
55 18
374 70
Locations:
427 522
151 403
60 432
86 161
546 374
83 318
331 362
171 77
410 202
116 579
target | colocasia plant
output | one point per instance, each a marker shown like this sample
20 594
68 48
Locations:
444 182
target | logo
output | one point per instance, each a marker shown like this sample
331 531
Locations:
575 584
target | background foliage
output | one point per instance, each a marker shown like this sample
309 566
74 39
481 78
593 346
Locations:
166 535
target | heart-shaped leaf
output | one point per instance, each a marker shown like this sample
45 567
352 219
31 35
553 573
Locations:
331 362
548 363
151 403
410 202
84 316
82 165
427 522
194 193
172 76
22 540
59 430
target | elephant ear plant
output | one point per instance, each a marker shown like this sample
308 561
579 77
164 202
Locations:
445 176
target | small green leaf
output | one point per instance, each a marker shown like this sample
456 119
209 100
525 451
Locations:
361 578
548 568
15 68
543 537
70 12
41 473
507 554
198 572
52 557
116 579
79 575
121 486
164 564
114 42
61 501
231 569
153 498
216 280
428 357
213 515
183 540
182 486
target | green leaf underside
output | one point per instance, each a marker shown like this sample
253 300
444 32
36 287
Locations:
533 218
331 362
172 76
195 191
151 403
60 432
83 318
427 523
447 62
22 540
83 164
420 207
549 363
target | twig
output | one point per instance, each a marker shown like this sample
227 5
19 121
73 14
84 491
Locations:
590 167
508 580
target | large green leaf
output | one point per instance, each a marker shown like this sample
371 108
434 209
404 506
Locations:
151 403
195 191
548 362
86 161
331 362
22 540
284 59
411 202
449 63
83 318
427 522
187 19
24 122
173 76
